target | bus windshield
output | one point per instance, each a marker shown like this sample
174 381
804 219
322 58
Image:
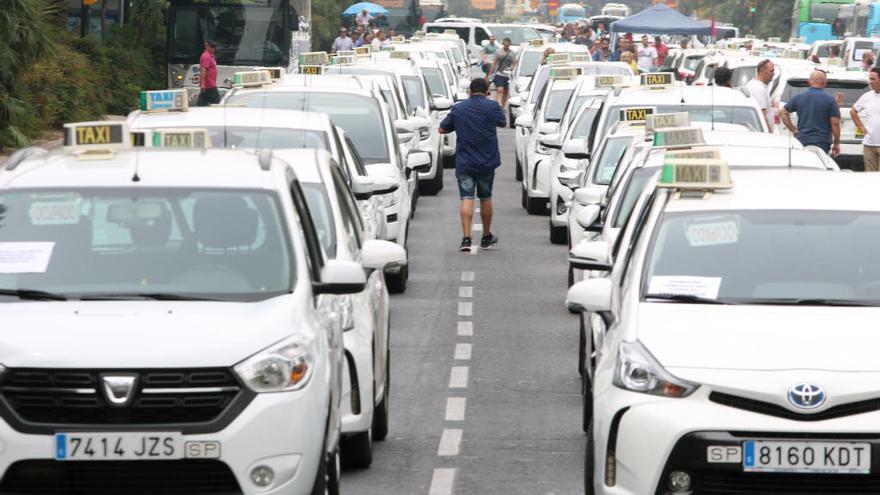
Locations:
824 12
250 32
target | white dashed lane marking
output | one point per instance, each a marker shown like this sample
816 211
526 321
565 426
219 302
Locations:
465 329
465 308
458 377
450 442
442 482
462 352
465 292
455 407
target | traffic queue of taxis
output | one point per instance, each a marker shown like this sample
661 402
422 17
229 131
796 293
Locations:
278 220
706 275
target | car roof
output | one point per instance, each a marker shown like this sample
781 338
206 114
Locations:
231 116
324 80
306 170
681 95
317 88
790 189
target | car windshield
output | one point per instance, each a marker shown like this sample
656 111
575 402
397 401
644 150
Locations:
764 259
719 113
436 85
852 90
691 63
322 215
556 104
359 116
824 12
517 34
529 63
607 163
414 91
860 47
173 243
742 75
824 51
264 137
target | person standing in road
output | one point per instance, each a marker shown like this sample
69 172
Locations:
866 116
490 48
647 55
363 19
476 157
208 94
818 116
342 42
603 52
724 77
504 62
662 50
759 89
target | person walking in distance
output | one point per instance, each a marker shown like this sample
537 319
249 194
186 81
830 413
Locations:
724 77
759 89
818 116
866 116
342 42
208 94
476 157
504 61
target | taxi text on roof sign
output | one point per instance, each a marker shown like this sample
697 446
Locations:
608 81
251 78
558 58
697 153
565 72
343 53
580 57
661 120
398 39
95 136
343 60
678 137
164 100
657 79
400 54
181 138
275 73
314 58
363 51
635 114
683 173
311 70
537 42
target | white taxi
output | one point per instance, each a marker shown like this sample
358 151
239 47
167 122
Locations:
528 61
110 255
717 373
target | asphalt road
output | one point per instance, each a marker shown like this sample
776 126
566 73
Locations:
498 411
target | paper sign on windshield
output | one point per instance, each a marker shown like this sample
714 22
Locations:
723 230
25 257
55 212
704 287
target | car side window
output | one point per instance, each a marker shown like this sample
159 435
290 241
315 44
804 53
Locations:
355 157
638 227
314 256
480 35
343 161
351 217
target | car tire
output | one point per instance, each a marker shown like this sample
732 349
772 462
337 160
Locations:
449 161
380 413
519 170
523 198
582 344
396 282
571 278
433 186
589 461
558 235
536 206
587 400
357 450
510 121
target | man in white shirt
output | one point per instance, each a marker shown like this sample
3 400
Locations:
363 19
759 89
342 42
647 55
866 116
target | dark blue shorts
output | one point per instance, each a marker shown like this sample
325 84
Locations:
481 184
501 81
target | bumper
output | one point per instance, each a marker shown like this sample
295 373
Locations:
561 198
292 448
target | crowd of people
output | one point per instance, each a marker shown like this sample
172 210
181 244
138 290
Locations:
361 36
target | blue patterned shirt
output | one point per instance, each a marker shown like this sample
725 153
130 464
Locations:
474 121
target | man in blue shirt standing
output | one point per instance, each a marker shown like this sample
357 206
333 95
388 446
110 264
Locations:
818 116
476 157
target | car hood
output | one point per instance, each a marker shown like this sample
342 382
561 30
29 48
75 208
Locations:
144 334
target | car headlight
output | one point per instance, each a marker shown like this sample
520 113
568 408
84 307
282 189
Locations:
424 133
389 199
282 367
541 149
639 371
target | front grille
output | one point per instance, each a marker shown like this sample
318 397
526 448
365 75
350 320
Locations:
780 484
46 401
190 477
769 409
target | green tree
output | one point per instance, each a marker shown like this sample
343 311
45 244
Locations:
770 19
25 36
326 17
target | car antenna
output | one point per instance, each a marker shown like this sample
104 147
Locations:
712 105
136 177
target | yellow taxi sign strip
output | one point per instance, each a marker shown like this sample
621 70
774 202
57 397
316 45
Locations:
251 78
566 72
697 153
275 73
831 61
166 100
363 51
344 60
558 58
580 57
101 135
661 120
314 58
608 81
678 137
657 79
537 42
636 114
181 138
311 70
400 54
695 174
343 53
398 39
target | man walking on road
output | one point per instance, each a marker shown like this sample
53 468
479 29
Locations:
476 157
759 89
342 42
866 116
208 76
818 116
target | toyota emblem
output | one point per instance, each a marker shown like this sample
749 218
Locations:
806 396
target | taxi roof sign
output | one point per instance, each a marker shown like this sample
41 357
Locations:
314 58
695 153
97 139
537 42
831 61
663 120
275 73
251 78
774 39
311 70
657 79
342 53
363 51
565 72
792 54
558 58
180 138
639 114
695 174
450 31
400 54
344 60
580 57
398 39
678 137
166 100
608 81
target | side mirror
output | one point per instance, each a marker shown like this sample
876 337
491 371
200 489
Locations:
378 254
515 101
548 128
405 137
591 255
588 196
404 125
340 277
419 122
440 104
587 216
524 121
570 178
576 149
550 141
419 161
362 186
590 295
384 184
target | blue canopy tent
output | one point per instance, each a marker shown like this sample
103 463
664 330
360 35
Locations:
660 19
371 9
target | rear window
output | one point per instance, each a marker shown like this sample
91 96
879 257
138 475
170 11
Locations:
691 63
851 90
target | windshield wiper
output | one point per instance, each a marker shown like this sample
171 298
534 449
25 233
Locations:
687 298
786 301
31 294
156 296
